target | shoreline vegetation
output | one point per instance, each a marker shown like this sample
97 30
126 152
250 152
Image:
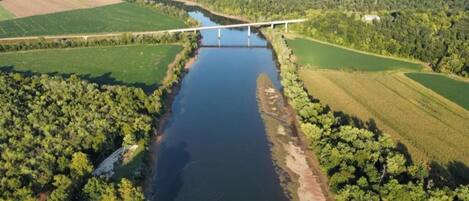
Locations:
74 177
297 178
360 164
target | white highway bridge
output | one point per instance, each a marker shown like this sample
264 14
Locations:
219 28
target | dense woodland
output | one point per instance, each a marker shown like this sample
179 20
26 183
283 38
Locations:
433 31
361 164
54 130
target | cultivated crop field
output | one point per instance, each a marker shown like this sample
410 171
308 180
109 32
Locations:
113 18
323 56
140 65
430 126
5 14
454 90
25 8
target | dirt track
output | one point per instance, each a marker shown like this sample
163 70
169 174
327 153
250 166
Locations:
25 8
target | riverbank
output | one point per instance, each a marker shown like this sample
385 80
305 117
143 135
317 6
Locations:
172 83
293 166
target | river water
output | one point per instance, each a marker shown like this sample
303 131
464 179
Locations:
215 147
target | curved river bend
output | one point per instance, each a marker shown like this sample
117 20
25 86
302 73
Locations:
215 147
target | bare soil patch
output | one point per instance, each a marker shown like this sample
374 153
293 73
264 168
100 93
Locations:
25 8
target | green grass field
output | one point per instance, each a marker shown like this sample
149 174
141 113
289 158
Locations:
5 14
113 18
454 90
140 65
324 56
431 127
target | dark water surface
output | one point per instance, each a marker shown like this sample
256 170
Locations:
215 147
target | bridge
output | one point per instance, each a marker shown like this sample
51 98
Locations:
109 35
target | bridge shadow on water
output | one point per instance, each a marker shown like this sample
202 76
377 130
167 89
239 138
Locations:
171 162
103 79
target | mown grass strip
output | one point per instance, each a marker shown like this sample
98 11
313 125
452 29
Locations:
324 56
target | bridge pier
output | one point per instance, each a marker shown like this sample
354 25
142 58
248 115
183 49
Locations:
249 31
286 27
219 33
272 26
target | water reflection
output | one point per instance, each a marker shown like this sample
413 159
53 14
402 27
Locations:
215 147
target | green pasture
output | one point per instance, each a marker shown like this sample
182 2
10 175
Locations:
113 18
324 56
138 65
454 90
5 14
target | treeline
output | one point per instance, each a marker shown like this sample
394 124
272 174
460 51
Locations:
440 39
360 164
124 39
433 31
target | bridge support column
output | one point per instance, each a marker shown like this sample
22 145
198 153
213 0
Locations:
219 33
249 31
272 26
286 27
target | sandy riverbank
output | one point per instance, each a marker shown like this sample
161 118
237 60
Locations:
299 179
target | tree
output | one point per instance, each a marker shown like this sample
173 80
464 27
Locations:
80 165
127 192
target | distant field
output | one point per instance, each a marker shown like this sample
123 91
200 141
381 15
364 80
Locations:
454 90
25 8
430 127
113 18
324 56
5 14
138 64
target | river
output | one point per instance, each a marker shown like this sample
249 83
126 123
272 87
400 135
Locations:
215 146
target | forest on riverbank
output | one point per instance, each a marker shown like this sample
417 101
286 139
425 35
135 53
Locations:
56 127
435 32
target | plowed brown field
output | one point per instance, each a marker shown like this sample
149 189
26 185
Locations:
25 8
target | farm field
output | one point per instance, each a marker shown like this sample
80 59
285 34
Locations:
431 127
25 8
5 14
120 17
324 56
140 65
454 90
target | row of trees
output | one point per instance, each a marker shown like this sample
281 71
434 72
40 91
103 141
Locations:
433 31
124 39
360 164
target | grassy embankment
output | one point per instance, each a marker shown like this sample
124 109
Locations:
140 65
5 14
429 125
121 17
